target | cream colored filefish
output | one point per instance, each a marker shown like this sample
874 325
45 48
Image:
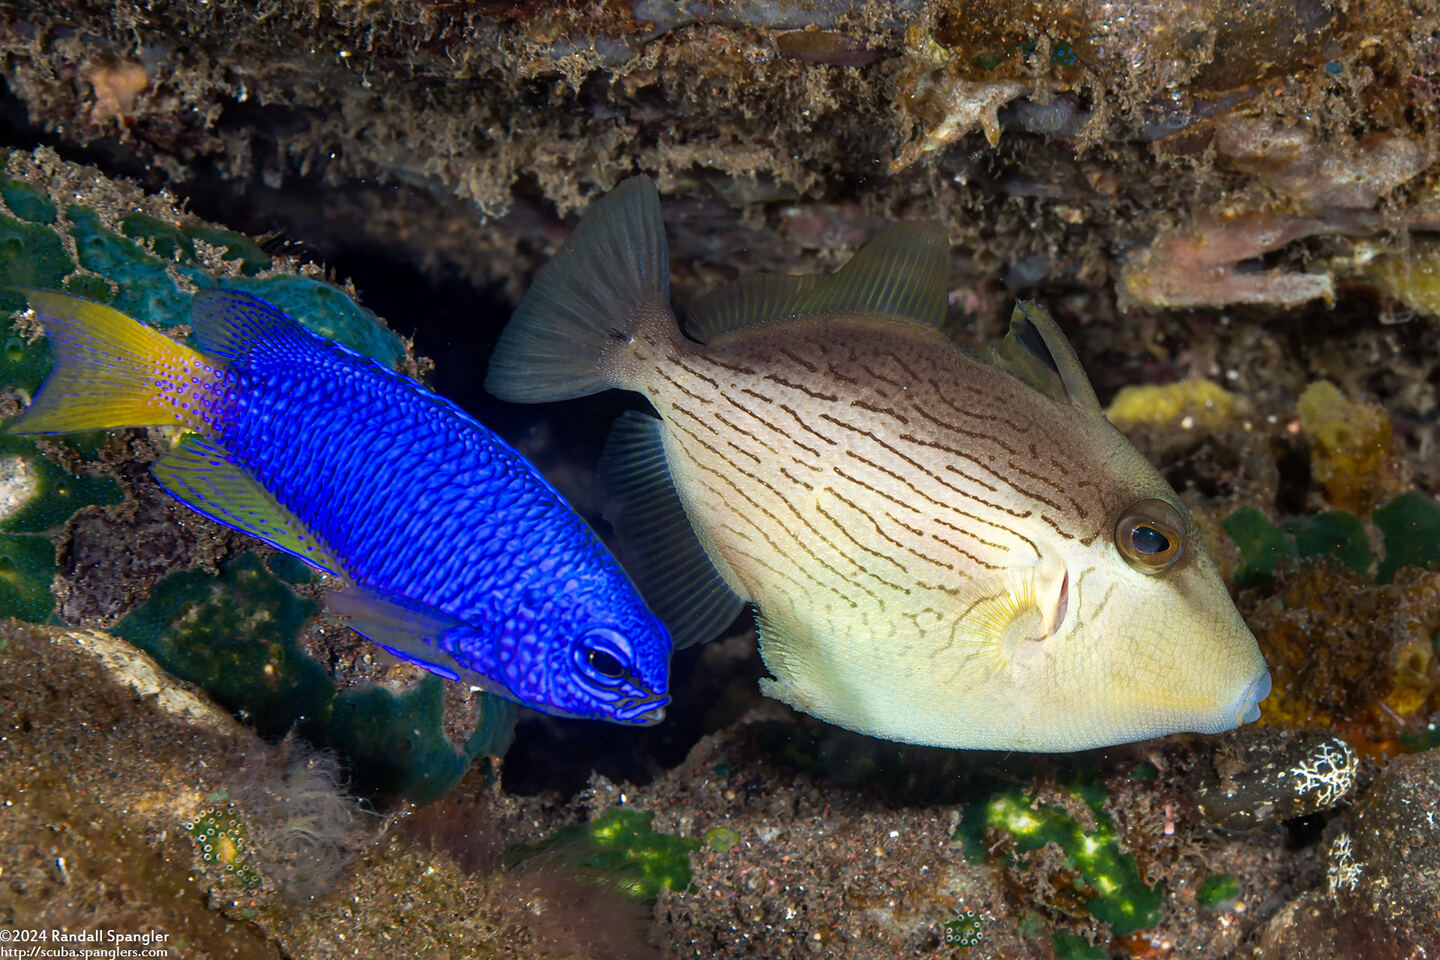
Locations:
940 549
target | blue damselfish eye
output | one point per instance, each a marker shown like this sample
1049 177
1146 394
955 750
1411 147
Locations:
603 657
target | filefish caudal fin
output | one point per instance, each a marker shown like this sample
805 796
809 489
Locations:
612 277
112 371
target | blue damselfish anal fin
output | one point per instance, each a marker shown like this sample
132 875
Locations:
658 545
408 629
204 476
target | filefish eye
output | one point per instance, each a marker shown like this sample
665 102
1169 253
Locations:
603 657
1150 536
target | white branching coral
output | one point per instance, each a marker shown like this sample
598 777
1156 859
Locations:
1344 872
1330 769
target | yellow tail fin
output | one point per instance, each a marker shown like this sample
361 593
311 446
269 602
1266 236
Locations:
112 371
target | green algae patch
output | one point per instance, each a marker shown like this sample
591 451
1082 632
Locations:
1263 546
1411 526
166 240
1334 533
1106 880
57 493
238 248
1069 946
621 844
234 635
145 288
1219 891
31 255
721 839
27 567
396 744
26 202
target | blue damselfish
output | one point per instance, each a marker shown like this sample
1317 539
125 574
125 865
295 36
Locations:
457 554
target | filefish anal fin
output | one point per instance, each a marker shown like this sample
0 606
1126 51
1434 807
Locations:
204 476
1037 352
658 544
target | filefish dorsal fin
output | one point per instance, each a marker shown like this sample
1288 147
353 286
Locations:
1037 352
749 300
904 272
675 576
204 476
245 329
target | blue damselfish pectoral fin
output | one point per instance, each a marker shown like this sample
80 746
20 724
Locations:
205 477
409 629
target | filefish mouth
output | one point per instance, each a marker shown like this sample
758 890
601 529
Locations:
1248 708
642 711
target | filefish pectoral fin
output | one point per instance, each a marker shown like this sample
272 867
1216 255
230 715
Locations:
1036 351
408 629
1013 611
205 477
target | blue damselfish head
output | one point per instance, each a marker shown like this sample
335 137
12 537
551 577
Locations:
601 655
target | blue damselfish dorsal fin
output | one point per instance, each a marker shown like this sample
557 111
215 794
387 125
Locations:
244 329
409 629
659 547
204 476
